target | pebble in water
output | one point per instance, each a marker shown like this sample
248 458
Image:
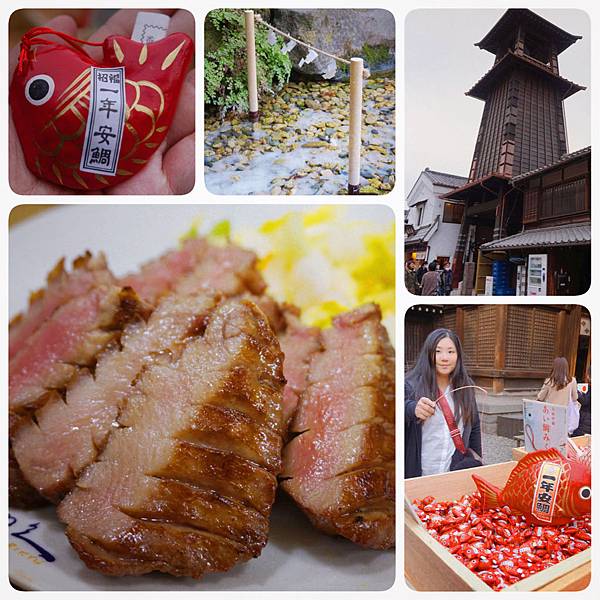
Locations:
300 144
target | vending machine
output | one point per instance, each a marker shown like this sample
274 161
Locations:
537 275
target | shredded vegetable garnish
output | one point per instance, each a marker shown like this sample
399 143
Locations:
321 261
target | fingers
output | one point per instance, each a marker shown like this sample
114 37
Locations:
64 23
425 408
121 23
179 166
184 121
184 22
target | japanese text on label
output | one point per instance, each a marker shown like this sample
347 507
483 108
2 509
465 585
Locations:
546 491
106 118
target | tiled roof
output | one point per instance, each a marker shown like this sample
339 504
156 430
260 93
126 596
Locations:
481 88
510 20
423 233
563 159
562 235
445 179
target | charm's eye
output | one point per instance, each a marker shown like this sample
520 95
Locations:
585 493
39 89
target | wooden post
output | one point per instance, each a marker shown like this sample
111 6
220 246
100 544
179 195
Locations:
354 144
251 59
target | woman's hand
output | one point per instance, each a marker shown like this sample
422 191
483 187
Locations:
171 169
424 408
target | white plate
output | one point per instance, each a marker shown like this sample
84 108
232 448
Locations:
297 557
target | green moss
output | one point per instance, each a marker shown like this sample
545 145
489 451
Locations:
225 75
375 55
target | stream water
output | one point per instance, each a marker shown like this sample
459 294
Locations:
300 144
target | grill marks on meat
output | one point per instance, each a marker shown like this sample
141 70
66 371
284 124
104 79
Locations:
340 468
66 434
185 485
88 272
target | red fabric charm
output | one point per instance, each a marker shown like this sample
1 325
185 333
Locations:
51 122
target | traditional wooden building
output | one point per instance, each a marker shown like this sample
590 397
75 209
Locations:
522 129
554 245
507 347
431 225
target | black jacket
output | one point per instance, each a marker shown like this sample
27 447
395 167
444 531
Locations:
413 434
585 414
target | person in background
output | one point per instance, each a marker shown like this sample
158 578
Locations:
420 272
431 281
559 388
446 280
585 412
410 277
439 371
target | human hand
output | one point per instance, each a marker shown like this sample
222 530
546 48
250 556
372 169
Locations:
171 169
424 408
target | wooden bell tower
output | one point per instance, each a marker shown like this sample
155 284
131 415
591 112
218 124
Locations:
523 123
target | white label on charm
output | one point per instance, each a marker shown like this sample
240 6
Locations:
150 27
106 118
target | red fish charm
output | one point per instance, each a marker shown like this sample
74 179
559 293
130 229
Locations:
50 98
545 487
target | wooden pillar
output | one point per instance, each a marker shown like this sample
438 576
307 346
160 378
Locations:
354 144
571 336
460 323
500 345
251 64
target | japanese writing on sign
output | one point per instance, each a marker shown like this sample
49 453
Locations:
544 426
546 491
106 118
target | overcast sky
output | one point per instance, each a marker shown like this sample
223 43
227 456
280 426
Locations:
442 64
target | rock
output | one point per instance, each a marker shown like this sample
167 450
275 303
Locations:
368 33
319 144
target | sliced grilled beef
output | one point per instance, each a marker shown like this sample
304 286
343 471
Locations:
340 468
65 435
298 343
198 265
160 276
228 269
62 346
88 272
186 483
70 339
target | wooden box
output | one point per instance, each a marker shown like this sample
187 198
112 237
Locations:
429 566
582 441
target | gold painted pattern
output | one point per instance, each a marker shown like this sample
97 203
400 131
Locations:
170 58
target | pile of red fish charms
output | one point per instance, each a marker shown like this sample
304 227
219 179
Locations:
499 547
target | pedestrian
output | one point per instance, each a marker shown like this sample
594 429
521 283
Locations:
585 412
431 281
420 272
410 277
446 279
559 388
433 406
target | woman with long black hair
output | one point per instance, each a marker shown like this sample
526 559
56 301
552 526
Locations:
428 445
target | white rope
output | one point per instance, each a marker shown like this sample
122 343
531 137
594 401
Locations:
259 19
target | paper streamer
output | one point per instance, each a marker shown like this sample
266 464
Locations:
310 57
331 70
272 38
289 47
